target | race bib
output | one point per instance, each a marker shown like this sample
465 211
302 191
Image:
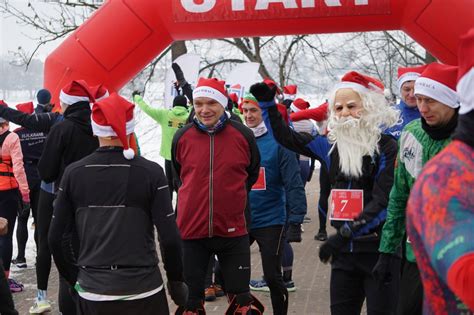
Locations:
346 204
261 183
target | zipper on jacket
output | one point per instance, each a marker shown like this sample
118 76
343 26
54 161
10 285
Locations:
211 182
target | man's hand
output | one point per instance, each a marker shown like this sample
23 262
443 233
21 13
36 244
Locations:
262 92
330 249
382 271
293 235
178 291
3 226
136 92
179 74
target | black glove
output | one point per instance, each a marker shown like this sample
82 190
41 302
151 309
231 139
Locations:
24 210
351 227
179 74
293 234
287 103
136 93
382 271
178 291
331 247
262 92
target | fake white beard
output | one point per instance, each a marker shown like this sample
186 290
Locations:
354 138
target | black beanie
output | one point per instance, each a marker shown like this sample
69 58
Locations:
180 100
43 96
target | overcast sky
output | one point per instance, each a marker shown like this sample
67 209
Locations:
13 35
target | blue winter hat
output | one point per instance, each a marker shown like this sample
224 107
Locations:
43 96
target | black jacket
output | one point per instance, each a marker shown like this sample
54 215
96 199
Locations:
41 122
376 181
32 143
67 142
113 204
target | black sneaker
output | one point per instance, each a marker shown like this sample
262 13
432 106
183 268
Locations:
20 263
321 236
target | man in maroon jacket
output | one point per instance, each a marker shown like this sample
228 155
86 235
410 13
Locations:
217 161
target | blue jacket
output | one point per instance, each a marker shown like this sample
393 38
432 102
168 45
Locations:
407 114
281 184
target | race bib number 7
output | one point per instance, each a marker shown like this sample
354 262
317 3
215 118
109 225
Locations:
346 204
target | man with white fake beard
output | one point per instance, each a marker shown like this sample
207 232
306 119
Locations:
360 160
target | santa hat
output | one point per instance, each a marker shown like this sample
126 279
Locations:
211 88
438 81
26 108
100 92
234 97
272 84
289 92
360 83
113 117
408 74
465 85
299 104
76 91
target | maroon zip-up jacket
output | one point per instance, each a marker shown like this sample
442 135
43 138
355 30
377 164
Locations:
216 172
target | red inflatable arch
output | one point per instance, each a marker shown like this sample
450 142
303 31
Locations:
123 36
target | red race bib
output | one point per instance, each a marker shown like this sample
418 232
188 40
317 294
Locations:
346 204
261 183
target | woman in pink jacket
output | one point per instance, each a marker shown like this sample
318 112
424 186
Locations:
13 189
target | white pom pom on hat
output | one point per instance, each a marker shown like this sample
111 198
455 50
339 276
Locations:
129 154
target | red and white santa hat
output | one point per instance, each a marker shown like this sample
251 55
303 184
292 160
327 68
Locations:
406 74
76 91
465 85
113 117
438 82
234 97
211 88
289 92
299 104
272 84
100 92
27 108
360 83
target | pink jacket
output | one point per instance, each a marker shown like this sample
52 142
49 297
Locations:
11 147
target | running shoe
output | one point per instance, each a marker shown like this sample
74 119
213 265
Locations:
219 291
40 307
290 286
210 294
321 236
15 286
20 263
259 285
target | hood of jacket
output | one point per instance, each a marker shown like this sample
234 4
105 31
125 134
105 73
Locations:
80 114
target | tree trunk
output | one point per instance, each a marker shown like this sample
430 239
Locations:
178 48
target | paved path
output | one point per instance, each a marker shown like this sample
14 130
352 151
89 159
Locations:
311 277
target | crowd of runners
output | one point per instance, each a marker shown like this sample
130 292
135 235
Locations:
396 184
